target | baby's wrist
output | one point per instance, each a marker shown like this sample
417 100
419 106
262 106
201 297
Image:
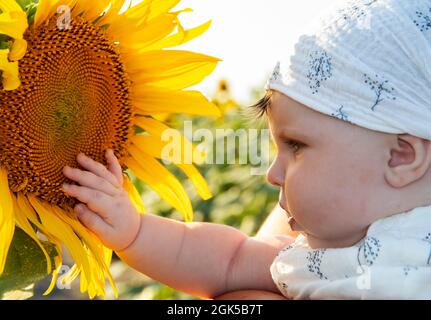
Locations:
135 238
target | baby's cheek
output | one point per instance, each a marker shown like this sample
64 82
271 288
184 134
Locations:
307 200
326 201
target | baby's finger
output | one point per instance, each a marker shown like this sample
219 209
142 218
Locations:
96 200
88 179
114 166
97 168
91 220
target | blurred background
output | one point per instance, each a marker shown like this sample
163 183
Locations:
248 36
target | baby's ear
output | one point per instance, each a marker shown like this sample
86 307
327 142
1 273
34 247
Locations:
410 160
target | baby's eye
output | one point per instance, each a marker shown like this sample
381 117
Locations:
294 145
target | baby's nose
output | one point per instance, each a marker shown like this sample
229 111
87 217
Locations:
275 174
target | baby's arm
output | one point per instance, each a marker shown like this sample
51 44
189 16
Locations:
202 259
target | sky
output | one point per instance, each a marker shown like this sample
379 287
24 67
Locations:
248 35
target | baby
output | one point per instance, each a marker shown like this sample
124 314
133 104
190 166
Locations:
349 113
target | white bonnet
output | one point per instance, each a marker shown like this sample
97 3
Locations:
368 62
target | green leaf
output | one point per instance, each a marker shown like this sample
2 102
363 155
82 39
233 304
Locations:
30 7
25 265
4 42
26 3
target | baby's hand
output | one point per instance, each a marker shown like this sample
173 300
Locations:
106 208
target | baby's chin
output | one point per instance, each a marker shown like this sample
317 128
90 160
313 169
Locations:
315 242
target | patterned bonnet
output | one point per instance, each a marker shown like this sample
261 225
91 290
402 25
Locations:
367 62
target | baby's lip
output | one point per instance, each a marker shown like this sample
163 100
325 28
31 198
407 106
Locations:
284 208
290 221
294 226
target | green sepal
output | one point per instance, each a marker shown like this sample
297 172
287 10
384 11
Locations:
25 265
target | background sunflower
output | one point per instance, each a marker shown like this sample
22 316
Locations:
95 81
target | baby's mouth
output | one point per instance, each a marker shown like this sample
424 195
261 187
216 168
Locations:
294 226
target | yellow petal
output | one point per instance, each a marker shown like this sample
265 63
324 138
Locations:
197 179
13 24
24 224
47 8
113 12
58 267
165 60
157 130
131 36
172 69
71 275
185 80
18 50
25 206
108 258
98 256
154 147
181 37
160 180
7 218
62 232
155 100
9 5
10 72
151 8
134 195
44 9
92 9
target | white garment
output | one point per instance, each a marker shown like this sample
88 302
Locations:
367 62
393 261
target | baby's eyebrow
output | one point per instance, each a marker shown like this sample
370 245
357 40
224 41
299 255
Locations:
293 133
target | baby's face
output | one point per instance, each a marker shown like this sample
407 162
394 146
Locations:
328 171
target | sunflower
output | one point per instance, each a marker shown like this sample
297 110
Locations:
95 81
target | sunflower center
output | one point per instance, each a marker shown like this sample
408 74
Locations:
73 98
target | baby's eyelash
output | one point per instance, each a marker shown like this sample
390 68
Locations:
295 145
